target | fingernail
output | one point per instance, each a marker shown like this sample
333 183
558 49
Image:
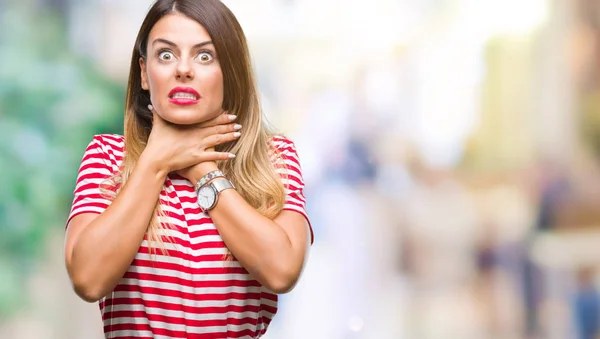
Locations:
231 155
237 134
232 117
237 126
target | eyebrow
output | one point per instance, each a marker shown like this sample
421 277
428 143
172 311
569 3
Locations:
172 44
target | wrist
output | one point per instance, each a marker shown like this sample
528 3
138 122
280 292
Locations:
202 169
153 166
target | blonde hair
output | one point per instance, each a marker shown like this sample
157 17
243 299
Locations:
252 171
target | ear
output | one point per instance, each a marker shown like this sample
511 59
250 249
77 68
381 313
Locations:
144 74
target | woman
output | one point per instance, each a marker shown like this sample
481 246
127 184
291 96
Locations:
192 223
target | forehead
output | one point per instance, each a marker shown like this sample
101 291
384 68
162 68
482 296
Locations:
179 29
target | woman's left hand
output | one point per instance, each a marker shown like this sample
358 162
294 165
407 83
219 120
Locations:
196 172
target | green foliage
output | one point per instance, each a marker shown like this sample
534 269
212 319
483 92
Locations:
51 103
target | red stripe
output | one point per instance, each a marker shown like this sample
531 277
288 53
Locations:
90 186
189 296
288 204
179 334
191 283
93 176
96 158
295 166
182 321
191 309
186 269
269 296
114 137
292 188
296 198
88 205
127 327
202 233
198 246
295 178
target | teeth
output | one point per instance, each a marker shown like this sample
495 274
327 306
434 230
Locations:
182 95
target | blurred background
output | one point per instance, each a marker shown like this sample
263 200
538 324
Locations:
451 152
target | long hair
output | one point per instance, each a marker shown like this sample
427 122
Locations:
252 170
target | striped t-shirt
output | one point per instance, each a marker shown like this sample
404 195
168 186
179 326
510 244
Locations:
193 291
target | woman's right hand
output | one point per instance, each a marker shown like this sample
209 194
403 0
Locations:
173 147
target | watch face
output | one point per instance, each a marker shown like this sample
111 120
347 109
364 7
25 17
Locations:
206 197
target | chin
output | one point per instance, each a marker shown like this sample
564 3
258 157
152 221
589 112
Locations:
183 119
186 117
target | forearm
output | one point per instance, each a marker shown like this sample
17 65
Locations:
257 242
107 246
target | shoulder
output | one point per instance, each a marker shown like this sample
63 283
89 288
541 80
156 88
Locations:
282 144
105 150
283 153
109 142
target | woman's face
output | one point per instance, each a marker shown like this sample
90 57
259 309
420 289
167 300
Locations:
182 71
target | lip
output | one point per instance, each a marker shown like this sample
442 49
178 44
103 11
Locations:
182 101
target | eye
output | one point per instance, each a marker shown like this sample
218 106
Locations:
204 57
165 55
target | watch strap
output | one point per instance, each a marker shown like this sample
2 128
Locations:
208 177
217 186
221 185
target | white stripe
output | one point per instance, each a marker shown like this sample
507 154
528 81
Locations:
174 287
110 143
157 251
85 200
92 209
194 277
293 175
181 182
91 191
187 302
127 333
184 194
184 315
196 240
94 161
202 222
172 247
295 208
190 205
289 199
171 221
290 167
171 259
102 169
291 160
186 328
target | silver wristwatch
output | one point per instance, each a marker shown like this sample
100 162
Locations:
208 194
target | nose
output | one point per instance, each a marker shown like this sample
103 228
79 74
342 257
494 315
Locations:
184 72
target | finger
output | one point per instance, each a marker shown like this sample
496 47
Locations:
221 119
215 156
224 129
218 139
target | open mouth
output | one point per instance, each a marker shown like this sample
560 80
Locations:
184 96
